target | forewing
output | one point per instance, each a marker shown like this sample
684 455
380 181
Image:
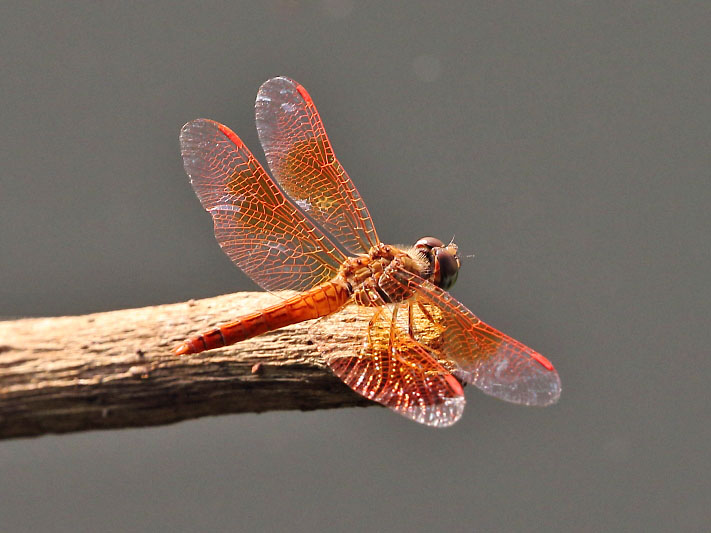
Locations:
373 354
491 360
302 161
257 227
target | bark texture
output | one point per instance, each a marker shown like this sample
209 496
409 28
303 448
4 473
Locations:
115 369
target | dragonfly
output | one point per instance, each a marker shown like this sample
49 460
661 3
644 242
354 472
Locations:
388 327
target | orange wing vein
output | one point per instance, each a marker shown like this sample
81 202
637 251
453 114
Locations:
497 364
302 161
259 229
375 356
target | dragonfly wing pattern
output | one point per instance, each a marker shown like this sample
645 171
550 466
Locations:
375 356
256 225
304 164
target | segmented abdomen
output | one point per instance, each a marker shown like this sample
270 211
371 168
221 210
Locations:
319 301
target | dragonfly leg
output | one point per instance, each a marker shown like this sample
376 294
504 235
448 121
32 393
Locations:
410 331
393 331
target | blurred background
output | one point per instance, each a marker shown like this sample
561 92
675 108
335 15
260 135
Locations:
566 144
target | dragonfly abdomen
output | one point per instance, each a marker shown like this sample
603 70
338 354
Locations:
319 301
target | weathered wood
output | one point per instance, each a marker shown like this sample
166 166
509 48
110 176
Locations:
115 369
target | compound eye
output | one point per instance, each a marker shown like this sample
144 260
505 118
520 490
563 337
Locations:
446 269
429 242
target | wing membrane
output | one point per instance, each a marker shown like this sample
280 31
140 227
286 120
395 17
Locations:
302 161
497 364
373 354
257 227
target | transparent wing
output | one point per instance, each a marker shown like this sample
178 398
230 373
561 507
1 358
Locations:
302 161
491 360
371 351
258 228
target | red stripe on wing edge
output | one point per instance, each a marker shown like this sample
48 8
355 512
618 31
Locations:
231 135
456 387
545 362
304 94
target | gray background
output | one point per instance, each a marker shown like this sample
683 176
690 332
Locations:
566 144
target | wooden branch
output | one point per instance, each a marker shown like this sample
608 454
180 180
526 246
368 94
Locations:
115 369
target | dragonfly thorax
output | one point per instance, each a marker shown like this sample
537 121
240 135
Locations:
372 278
366 275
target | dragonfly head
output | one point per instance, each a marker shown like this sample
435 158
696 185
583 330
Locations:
443 260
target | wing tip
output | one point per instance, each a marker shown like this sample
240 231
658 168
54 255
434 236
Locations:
454 384
231 135
264 93
542 360
442 415
305 95
196 128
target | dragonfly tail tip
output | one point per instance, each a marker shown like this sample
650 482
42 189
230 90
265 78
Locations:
181 349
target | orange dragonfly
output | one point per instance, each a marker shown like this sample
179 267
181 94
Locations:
402 340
